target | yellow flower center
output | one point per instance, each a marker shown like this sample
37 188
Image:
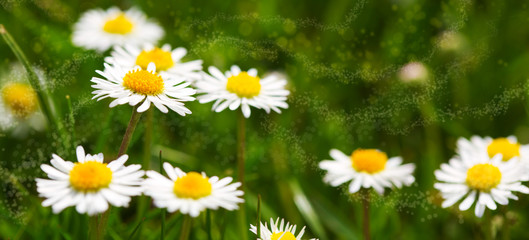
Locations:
143 82
287 236
369 160
20 98
119 25
90 176
193 185
502 145
244 85
483 177
162 59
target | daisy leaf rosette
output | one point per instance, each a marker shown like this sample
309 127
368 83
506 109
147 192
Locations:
165 58
367 168
138 86
192 192
100 30
474 177
89 184
242 89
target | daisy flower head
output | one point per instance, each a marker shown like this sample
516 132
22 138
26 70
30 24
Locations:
19 104
89 184
475 177
242 89
278 231
101 29
166 59
367 168
192 192
137 86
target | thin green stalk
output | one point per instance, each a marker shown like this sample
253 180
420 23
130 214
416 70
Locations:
134 119
258 232
71 121
146 164
186 227
365 203
45 99
93 226
208 224
241 145
162 210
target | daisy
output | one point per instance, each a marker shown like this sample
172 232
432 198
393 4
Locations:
89 184
476 177
139 86
367 168
238 88
191 192
278 231
100 30
509 148
166 60
19 104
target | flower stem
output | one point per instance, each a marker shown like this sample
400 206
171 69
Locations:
365 203
241 144
93 227
162 210
134 119
186 227
258 225
208 224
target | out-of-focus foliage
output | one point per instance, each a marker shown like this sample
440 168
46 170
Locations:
342 59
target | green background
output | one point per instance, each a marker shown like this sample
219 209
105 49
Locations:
341 59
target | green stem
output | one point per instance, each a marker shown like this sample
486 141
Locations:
208 224
93 228
162 210
258 232
71 121
241 142
134 119
241 145
45 99
365 203
186 228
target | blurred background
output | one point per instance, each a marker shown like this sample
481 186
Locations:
408 77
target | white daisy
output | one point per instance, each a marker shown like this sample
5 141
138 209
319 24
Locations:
89 184
136 85
237 88
100 30
475 177
509 148
191 192
165 59
278 231
367 168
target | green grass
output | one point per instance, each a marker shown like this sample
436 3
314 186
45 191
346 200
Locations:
342 60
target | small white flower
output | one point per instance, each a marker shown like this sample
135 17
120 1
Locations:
367 168
237 88
414 72
192 192
138 86
278 231
167 60
475 177
89 184
100 30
